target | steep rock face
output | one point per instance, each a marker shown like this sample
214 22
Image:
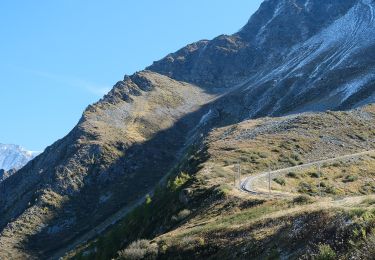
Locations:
121 148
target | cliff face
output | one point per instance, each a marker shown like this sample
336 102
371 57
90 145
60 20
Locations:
292 56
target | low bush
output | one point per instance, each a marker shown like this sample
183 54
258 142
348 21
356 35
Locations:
302 199
350 178
280 181
179 181
183 214
307 188
323 184
292 175
141 249
331 190
296 157
337 164
315 175
222 191
325 253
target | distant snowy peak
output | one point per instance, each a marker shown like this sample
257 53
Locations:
14 156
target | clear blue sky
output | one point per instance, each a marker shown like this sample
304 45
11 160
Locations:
57 57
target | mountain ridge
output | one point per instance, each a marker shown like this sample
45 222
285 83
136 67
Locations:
142 129
277 74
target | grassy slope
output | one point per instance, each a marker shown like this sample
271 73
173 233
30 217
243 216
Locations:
208 217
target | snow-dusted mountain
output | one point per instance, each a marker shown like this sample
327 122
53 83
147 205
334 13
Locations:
292 56
14 156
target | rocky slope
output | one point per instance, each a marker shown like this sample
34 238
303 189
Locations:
14 156
120 149
292 56
200 214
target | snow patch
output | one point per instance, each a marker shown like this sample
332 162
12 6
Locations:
205 118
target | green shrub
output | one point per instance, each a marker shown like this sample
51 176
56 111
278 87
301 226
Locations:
305 187
325 253
331 190
141 249
148 199
337 164
179 181
183 214
292 175
292 162
280 181
350 178
314 175
222 191
367 188
296 157
302 199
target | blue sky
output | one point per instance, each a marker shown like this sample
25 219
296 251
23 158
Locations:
57 57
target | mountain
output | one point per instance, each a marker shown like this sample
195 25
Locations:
292 56
14 156
265 64
319 200
262 68
102 165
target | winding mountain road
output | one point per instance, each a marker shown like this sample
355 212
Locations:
248 184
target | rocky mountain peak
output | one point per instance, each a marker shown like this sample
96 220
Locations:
14 156
271 32
285 22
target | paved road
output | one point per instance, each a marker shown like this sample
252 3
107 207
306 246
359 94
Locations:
247 185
